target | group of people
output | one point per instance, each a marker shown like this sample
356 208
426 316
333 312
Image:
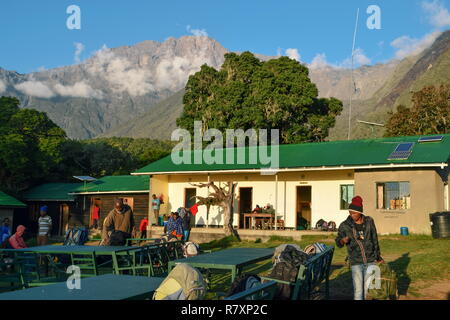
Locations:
179 224
266 209
16 241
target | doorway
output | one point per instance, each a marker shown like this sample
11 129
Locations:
245 204
303 211
190 197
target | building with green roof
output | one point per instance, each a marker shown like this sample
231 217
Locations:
134 190
59 202
400 179
10 208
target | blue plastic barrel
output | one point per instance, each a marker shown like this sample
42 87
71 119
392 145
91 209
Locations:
404 231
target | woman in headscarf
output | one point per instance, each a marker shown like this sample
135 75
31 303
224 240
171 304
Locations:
175 226
16 240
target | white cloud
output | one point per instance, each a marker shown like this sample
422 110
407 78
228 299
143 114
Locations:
197 32
406 46
79 48
293 54
79 89
170 72
35 89
359 59
438 15
120 73
2 86
319 61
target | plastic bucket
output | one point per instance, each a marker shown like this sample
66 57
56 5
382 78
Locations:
404 231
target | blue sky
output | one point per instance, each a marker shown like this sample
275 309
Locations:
33 34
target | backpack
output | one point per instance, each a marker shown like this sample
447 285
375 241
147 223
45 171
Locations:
183 283
324 226
331 226
244 282
319 224
286 272
280 249
118 238
388 289
76 237
190 249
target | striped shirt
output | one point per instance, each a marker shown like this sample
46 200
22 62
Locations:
45 224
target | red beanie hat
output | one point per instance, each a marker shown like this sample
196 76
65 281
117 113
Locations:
357 204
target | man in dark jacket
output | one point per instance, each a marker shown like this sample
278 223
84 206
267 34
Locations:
118 224
359 234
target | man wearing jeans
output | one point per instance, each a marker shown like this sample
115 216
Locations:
359 234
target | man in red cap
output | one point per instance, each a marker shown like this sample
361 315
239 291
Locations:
359 234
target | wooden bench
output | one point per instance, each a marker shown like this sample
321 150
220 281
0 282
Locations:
264 291
310 275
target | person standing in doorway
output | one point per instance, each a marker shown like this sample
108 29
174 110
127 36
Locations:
45 226
156 204
359 234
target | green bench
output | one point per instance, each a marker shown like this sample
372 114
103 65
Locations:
310 275
264 291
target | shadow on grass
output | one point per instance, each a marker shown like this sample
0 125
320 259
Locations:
400 266
341 285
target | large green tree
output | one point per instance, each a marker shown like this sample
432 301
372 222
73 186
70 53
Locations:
429 114
30 145
248 93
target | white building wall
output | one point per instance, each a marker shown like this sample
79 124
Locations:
325 194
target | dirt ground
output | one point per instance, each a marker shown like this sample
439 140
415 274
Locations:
437 291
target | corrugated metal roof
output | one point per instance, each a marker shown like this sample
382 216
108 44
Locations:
51 192
8 201
323 154
116 184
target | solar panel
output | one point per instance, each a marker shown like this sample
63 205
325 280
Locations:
431 139
85 178
402 151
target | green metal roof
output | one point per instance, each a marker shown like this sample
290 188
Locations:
322 154
51 192
8 201
116 184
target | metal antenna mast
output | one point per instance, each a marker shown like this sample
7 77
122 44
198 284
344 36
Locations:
353 86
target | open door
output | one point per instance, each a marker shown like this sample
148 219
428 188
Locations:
245 204
303 208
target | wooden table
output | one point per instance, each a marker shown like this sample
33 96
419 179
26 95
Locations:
104 287
234 259
254 216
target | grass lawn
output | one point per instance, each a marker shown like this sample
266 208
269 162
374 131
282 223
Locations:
419 261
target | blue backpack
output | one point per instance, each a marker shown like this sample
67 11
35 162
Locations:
76 237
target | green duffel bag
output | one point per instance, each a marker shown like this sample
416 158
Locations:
388 289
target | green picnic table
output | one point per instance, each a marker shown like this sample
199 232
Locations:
59 249
234 259
104 287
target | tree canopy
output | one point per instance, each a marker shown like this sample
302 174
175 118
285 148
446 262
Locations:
29 145
248 93
35 150
429 114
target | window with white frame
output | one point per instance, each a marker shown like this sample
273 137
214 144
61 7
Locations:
393 195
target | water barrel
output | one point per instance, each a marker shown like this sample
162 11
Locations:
404 231
440 224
